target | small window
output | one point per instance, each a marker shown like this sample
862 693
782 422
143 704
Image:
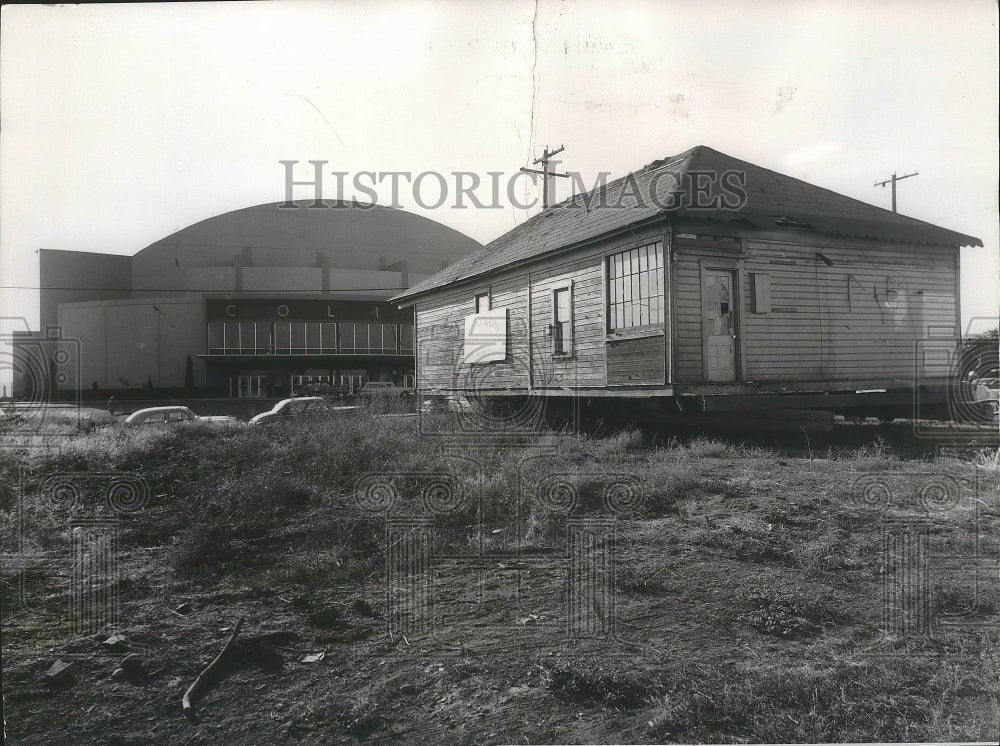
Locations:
483 302
562 321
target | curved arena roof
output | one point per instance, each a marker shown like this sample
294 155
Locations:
344 235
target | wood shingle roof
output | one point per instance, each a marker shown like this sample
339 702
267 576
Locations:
700 183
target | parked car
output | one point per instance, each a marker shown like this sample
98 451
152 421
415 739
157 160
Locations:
987 390
300 406
175 415
384 389
326 390
432 404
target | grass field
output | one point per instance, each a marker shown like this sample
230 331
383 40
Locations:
550 589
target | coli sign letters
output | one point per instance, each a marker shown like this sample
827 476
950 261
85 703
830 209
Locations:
486 337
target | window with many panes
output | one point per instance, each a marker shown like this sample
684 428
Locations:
635 287
308 338
406 339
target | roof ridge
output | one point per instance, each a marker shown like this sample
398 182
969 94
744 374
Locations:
767 196
652 166
898 217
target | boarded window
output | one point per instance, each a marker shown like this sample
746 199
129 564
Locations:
486 337
761 297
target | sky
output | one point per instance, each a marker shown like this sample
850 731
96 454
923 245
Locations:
124 123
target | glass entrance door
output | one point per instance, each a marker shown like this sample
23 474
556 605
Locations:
250 386
353 381
300 381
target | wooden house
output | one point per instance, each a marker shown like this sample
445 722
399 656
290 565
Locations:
703 282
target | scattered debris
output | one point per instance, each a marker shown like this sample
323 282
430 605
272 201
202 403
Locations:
115 642
312 658
131 670
204 679
132 666
59 674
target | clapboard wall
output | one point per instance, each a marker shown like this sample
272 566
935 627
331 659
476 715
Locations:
527 294
858 316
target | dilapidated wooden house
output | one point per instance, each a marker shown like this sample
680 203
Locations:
702 281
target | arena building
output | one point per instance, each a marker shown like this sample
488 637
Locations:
249 303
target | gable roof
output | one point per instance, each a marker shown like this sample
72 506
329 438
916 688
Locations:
730 191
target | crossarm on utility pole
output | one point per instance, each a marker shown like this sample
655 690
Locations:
546 174
893 181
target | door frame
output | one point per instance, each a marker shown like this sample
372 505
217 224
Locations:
254 382
735 266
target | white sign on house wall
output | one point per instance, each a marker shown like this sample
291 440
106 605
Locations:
486 337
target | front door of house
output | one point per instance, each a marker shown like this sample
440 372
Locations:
718 319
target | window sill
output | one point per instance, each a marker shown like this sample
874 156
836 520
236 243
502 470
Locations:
640 333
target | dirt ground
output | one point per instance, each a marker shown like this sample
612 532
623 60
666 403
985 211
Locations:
748 599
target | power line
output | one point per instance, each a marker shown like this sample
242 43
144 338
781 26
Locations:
546 174
893 181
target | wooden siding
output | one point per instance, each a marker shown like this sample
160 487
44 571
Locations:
441 340
635 361
440 327
859 318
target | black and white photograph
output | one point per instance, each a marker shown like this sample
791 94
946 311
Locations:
461 372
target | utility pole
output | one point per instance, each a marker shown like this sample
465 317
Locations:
544 160
893 181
